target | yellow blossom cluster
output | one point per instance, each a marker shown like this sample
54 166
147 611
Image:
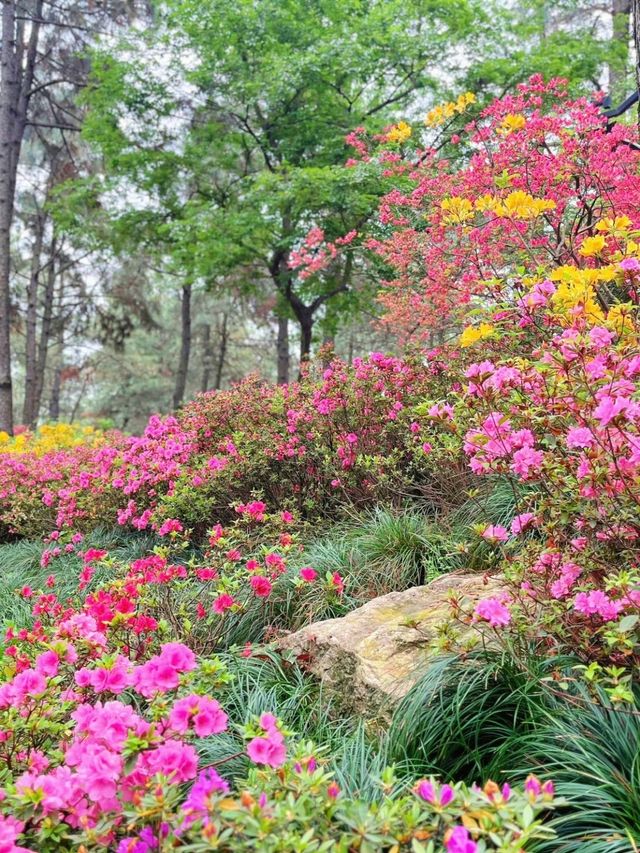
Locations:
472 334
577 295
49 437
521 205
622 318
457 209
618 226
510 123
438 115
592 246
399 132
517 205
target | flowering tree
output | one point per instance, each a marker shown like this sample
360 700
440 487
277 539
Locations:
476 211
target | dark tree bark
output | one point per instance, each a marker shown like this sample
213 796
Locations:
29 414
222 350
185 348
54 397
56 385
636 41
304 315
283 350
17 63
46 325
207 357
58 329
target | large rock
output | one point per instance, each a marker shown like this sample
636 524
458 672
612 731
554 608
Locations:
369 659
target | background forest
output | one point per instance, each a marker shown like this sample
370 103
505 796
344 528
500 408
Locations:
160 163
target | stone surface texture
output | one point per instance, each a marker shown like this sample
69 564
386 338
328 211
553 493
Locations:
370 658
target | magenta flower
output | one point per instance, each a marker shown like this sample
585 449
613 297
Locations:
579 437
426 792
495 533
522 522
171 525
630 265
261 586
205 714
493 611
269 750
223 602
458 841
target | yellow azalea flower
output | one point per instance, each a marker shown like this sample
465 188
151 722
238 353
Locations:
399 132
618 225
621 317
464 101
592 246
606 273
576 295
510 123
438 115
50 437
459 209
522 205
472 334
485 202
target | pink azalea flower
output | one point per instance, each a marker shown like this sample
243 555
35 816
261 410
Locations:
204 713
458 840
579 437
223 602
495 533
171 525
261 586
493 611
522 522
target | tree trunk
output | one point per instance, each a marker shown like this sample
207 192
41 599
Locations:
620 16
8 73
29 415
185 348
305 320
636 41
56 385
54 398
283 350
17 65
207 357
222 351
350 349
45 326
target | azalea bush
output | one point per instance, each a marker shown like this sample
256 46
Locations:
538 235
517 234
49 437
480 204
341 437
102 712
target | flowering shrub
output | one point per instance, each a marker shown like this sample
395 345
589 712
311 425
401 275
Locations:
49 437
308 447
527 185
532 244
102 710
555 405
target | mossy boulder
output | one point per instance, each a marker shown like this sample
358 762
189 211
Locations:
369 659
